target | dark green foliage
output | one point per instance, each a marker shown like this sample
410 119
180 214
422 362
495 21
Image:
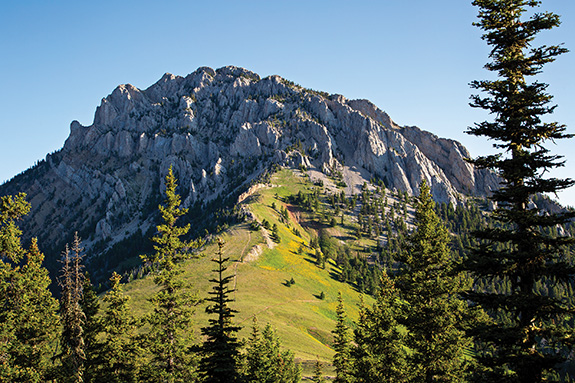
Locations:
356 270
285 214
275 233
12 209
170 322
72 316
120 351
328 245
317 373
380 353
430 286
221 347
28 312
319 258
266 224
265 362
520 251
341 345
104 261
90 305
254 226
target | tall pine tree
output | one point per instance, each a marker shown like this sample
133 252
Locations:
90 305
170 322
341 345
120 351
220 363
265 362
28 312
72 316
380 354
519 251
429 284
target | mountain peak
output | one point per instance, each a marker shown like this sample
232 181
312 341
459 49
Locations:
220 130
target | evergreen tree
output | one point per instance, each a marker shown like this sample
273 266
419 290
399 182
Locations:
317 373
28 312
12 209
119 354
275 233
520 251
170 322
430 286
379 355
90 305
256 363
341 345
72 317
264 361
221 347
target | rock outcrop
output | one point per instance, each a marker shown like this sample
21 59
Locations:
220 129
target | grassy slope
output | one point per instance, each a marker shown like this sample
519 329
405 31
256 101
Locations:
303 321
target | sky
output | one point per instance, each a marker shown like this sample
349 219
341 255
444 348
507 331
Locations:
413 59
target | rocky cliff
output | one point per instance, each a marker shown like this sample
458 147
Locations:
221 129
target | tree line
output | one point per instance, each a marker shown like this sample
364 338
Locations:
75 340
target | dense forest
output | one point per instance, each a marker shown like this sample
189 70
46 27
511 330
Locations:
479 292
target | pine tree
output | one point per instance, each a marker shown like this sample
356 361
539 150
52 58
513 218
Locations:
430 286
257 363
379 355
341 345
90 305
317 373
519 250
264 361
72 317
120 351
28 312
170 322
221 347
12 209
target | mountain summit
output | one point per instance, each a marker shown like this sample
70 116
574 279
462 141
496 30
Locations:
221 130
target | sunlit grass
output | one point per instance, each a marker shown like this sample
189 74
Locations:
303 321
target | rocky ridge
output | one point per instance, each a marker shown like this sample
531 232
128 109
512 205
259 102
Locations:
221 129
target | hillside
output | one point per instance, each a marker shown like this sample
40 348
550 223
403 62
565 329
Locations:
263 268
222 131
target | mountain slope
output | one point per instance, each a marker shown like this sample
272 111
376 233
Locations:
221 130
262 269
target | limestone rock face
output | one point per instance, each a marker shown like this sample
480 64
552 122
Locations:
220 129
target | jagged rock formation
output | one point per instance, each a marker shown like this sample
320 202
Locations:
220 130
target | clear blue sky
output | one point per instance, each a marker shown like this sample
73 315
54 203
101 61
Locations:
414 59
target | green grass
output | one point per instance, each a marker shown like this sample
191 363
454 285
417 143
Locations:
303 322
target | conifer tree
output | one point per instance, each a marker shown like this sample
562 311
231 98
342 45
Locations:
120 351
220 363
28 312
341 345
256 363
170 322
317 373
90 305
520 250
12 209
264 361
380 353
72 317
430 286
